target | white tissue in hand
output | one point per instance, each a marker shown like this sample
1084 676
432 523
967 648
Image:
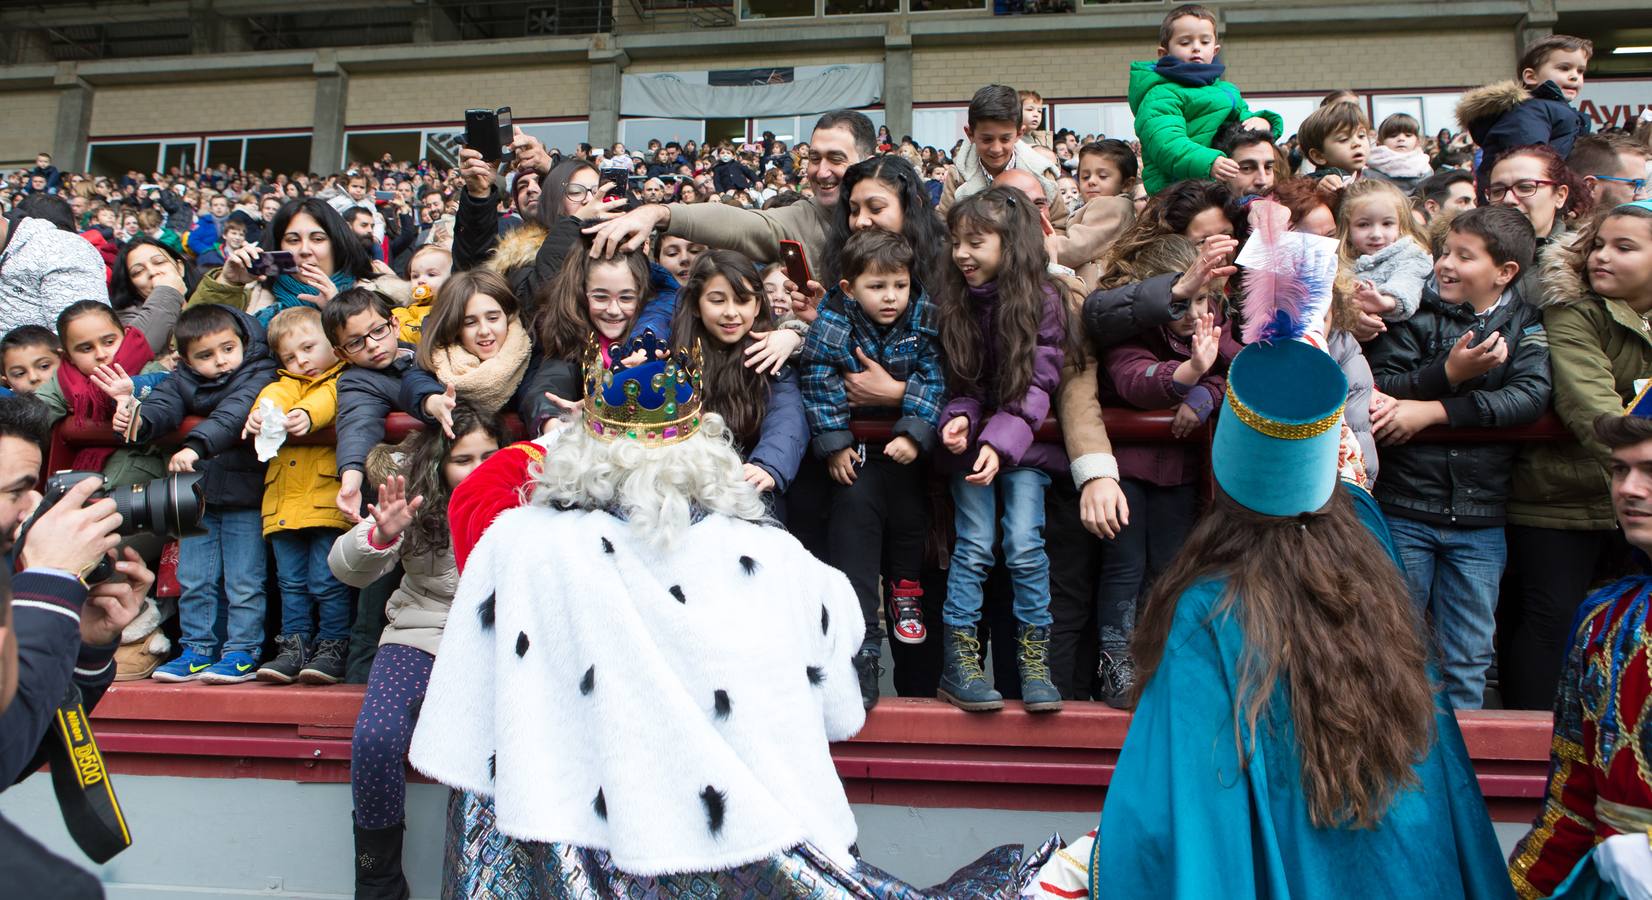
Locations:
273 433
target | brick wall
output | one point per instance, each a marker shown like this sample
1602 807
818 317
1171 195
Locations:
1257 64
31 126
443 96
193 108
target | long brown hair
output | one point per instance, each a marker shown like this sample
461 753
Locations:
1021 283
732 390
446 320
1324 611
562 322
1168 212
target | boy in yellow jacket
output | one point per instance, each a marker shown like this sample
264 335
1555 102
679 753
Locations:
300 519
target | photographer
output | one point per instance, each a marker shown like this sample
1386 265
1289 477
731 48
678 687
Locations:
55 630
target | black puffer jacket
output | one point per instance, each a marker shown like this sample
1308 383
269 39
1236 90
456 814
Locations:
232 476
365 397
1466 485
1503 116
1115 315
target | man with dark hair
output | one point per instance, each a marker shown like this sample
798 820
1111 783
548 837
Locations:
1589 827
1449 192
841 138
1613 165
1253 150
54 631
44 264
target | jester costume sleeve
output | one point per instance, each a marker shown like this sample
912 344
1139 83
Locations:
1600 783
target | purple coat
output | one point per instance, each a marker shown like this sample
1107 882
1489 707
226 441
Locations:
1140 373
1009 428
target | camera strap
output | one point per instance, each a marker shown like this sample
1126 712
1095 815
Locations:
81 782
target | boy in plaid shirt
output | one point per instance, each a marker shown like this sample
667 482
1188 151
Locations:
879 504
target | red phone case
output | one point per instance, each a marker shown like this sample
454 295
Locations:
796 263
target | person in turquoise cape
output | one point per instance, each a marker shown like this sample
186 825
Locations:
1288 739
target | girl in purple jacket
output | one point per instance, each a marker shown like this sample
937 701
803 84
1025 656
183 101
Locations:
1003 328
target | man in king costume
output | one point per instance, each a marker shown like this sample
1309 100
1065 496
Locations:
641 672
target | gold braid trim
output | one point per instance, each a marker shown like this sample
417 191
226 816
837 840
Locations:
1282 430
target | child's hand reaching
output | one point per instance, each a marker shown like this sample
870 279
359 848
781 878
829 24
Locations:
1185 422
841 465
1224 169
1465 362
113 380
1206 341
955 434
770 350
440 407
1372 300
349 494
394 511
1215 260
758 477
903 450
298 422
1257 123
123 417
986 467
183 461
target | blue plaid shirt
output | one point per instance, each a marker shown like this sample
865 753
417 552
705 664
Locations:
909 349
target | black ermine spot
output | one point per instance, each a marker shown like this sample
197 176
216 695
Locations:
825 619
714 801
485 611
607 546
521 643
816 675
600 805
749 564
589 681
720 704
677 591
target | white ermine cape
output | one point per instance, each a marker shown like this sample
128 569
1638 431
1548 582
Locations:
670 708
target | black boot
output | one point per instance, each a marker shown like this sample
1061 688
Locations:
1038 692
1117 674
868 670
292 653
379 864
963 684
326 666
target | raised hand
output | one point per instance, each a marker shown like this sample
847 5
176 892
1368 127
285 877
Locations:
394 511
1215 260
113 380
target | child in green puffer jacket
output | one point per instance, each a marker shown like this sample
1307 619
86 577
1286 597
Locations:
1180 101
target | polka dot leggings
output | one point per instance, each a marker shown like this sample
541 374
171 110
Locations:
378 751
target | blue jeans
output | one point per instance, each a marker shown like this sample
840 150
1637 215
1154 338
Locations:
309 592
221 574
1453 575
1023 543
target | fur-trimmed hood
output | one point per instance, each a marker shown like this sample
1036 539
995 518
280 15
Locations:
1563 284
1489 102
518 248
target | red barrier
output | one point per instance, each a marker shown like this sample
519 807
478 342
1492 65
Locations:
911 752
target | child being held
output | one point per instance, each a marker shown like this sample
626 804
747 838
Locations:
878 516
29 356
301 521
1180 102
1474 356
221 573
1106 168
1399 154
1383 249
1537 109
1336 138
428 269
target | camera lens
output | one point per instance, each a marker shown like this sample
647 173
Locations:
169 506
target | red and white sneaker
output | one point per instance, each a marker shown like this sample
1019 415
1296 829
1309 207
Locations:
906 612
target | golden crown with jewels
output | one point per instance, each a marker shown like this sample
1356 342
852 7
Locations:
655 401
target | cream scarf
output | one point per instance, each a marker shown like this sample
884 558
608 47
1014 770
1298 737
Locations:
486 384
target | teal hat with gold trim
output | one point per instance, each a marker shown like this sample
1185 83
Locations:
1278 435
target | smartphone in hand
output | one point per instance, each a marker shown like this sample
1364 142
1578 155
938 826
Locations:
795 263
489 132
274 262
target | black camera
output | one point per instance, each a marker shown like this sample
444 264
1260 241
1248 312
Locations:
169 506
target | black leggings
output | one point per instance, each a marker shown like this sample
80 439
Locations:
877 529
1549 572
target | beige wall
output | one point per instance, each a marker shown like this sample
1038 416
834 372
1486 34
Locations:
444 95
194 108
1257 64
31 126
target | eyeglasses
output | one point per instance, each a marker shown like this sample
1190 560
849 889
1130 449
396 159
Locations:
578 192
1638 185
379 333
1522 189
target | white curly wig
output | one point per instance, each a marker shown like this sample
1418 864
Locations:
655 489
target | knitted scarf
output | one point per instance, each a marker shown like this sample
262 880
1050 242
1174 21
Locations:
486 384
288 289
1189 74
1400 165
87 402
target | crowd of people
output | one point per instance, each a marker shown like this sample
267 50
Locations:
952 302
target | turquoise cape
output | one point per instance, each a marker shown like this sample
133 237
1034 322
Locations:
1183 819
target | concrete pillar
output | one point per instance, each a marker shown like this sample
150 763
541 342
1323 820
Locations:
897 83
29 45
432 24
1537 24
212 32
332 90
74 118
607 64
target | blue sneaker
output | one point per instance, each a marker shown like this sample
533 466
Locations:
187 667
236 666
